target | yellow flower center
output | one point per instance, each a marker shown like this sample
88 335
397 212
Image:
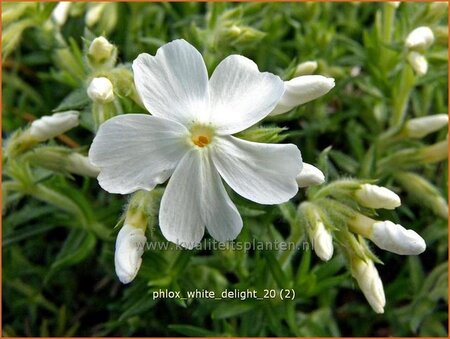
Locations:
201 136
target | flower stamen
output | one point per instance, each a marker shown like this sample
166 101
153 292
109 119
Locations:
201 136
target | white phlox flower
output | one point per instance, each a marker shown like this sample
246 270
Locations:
302 89
49 126
310 175
189 138
130 245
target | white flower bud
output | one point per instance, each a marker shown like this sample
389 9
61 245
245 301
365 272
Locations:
396 239
394 4
418 62
80 164
306 68
50 126
369 282
61 12
322 241
420 127
374 196
130 245
101 51
94 13
309 176
101 90
301 90
420 38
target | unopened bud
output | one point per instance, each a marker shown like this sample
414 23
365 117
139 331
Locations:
130 245
101 90
369 282
418 62
50 126
420 38
306 68
420 127
309 176
94 13
396 239
322 241
101 52
433 153
374 196
80 164
301 90
61 12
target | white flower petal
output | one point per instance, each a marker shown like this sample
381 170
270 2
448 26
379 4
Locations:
241 95
264 173
302 89
137 151
220 215
173 84
180 216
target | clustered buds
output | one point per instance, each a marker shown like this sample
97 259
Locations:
417 42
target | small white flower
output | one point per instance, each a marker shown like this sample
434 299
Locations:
418 62
396 239
370 283
374 196
101 50
130 245
322 241
301 90
420 38
61 12
420 127
50 126
310 175
189 138
101 90
80 164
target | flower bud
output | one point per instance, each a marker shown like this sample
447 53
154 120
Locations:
94 13
420 127
61 12
306 68
394 4
418 62
101 90
373 196
420 38
433 153
396 239
101 51
369 282
80 164
301 90
309 176
129 249
322 241
50 126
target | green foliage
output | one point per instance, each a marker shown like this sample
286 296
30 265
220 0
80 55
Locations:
58 230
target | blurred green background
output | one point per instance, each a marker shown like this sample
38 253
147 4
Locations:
58 268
